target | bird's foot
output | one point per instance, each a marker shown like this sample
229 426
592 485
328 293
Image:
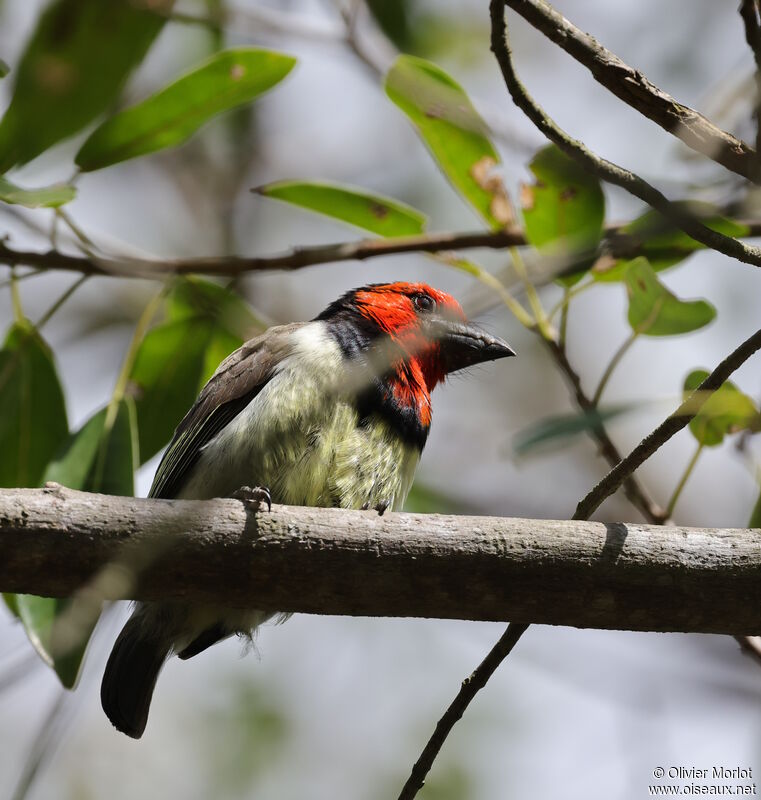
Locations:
253 497
380 507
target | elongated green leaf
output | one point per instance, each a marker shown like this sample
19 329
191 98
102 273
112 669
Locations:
228 315
654 310
564 209
33 413
46 197
4 68
168 118
94 459
165 377
453 131
373 213
72 70
557 430
663 244
755 516
727 410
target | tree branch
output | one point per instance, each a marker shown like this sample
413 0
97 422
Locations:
749 12
671 425
53 541
602 168
617 243
631 86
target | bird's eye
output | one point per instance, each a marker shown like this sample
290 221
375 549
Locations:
424 302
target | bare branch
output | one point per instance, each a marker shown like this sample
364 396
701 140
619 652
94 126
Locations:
604 169
749 11
468 690
333 561
671 425
631 86
617 243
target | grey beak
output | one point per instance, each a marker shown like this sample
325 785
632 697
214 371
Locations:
464 344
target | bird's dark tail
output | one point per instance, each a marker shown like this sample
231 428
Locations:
130 676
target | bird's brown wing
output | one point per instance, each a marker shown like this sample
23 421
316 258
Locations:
233 386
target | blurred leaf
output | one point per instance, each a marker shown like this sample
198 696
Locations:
373 213
559 429
33 420
206 322
166 119
453 131
654 310
47 197
72 70
663 244
425 500
727 410
394 18
755 517
38 615
4 68
94 460
564 209
11 600
164 379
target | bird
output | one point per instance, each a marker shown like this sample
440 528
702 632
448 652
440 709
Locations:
334 412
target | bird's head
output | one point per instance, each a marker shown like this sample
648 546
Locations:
429 335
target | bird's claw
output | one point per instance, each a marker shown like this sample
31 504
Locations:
253 497
380 507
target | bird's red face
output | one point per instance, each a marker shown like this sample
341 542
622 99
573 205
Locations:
430 328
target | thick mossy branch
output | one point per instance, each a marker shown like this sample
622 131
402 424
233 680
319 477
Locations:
56 541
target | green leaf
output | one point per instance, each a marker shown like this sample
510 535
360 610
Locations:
395 19
654 310
33 420
755 517
564 209
72 70
373 213
164 379
665 245
727 410
166 119
46 197
230 318
453 131
559 429
4 68
94 459
39 615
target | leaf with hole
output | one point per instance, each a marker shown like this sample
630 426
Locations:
727 410
654 310
72 70
563 211
374 213
454 133
168 118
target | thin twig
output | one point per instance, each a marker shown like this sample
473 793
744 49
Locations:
670 426
612 364
469 689
631 86
633 489
617 243
602 168
749 11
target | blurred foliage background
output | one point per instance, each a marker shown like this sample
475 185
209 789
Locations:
134 130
